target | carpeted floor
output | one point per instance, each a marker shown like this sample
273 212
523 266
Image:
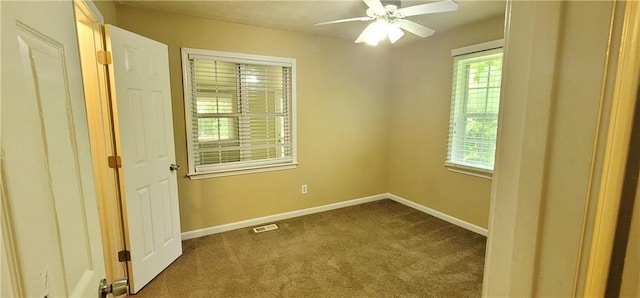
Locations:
379 249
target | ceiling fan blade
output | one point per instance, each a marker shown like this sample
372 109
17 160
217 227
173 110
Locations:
346 20
442 6
376 6
415 28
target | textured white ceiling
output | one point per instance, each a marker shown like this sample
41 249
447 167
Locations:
301 15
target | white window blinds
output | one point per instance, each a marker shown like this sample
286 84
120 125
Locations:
474 110
240 111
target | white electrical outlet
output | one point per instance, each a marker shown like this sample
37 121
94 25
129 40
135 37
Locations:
304 189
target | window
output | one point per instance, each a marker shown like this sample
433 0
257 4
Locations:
240 112
473 124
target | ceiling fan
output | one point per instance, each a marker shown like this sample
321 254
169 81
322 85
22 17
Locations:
389 20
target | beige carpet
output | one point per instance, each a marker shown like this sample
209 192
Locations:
379 249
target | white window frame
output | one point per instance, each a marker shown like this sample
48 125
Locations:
451 165
220 170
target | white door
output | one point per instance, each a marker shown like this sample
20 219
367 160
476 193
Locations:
51 234
140 78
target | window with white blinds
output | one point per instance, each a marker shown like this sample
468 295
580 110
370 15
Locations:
475 99
240 112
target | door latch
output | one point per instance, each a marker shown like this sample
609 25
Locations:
174 167
117 288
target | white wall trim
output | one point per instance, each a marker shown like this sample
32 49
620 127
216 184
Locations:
88 4
435 213
277 217
287 215
489 45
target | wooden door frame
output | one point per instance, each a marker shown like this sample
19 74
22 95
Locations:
101 134
516 218
616 152
630 275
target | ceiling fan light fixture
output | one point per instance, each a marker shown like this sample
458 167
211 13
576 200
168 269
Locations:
372 43
394 32
375 32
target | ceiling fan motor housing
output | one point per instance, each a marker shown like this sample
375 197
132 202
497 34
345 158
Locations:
396 4
390 9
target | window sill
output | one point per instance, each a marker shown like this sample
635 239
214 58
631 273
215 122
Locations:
233 172
476 172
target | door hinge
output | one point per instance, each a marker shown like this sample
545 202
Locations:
124 256
104 57
115 162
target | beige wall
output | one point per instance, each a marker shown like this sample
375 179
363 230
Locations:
108 10
419 123
342 123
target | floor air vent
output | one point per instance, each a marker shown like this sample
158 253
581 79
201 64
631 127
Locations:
265 228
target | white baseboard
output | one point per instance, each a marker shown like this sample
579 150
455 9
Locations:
282 216
277 217
448 218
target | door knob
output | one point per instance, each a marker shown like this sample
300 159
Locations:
117 288
174 167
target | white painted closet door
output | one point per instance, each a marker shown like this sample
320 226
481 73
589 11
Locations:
141 79
51 234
